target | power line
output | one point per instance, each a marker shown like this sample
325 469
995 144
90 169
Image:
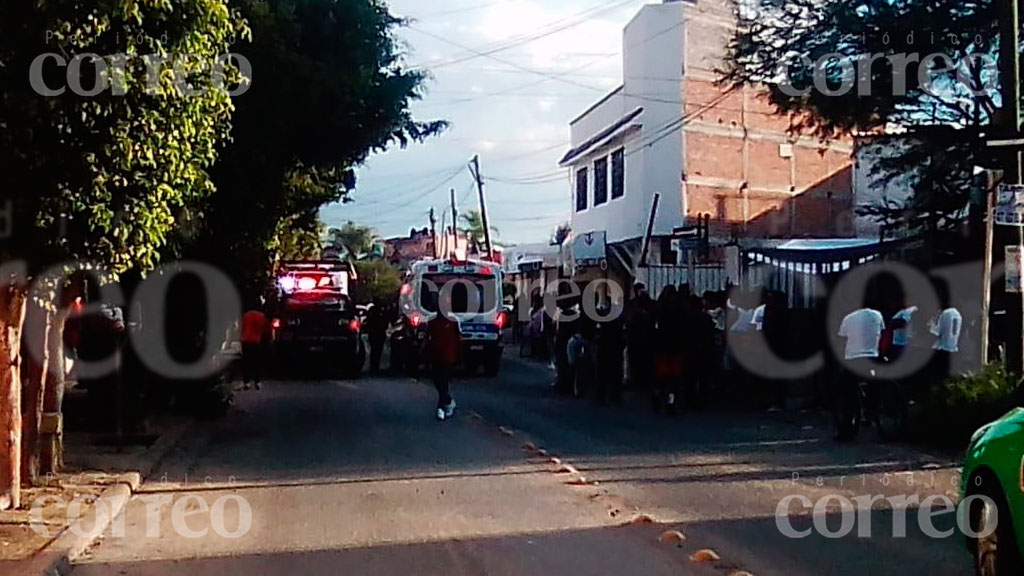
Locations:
551 29
556 77
419 196
459 10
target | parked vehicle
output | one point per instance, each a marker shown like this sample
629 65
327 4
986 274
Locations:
314 319
994 468
476 295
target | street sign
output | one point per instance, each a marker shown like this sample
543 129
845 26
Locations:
1008 143
1009 210
686 232
1013 270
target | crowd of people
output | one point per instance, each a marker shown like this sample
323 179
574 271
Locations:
680 346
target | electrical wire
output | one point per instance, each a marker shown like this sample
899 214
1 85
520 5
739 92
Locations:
551 29
458 10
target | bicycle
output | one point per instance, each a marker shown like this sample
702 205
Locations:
882 403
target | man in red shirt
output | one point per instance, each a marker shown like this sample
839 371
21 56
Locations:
444 341
254 331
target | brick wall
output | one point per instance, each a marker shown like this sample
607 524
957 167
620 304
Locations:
757 180
740 162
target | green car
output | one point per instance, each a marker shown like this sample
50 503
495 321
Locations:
994 469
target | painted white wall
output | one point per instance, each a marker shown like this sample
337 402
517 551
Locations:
868 188
653 48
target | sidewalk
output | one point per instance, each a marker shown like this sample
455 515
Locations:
66 515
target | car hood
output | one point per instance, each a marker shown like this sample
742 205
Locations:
1010 425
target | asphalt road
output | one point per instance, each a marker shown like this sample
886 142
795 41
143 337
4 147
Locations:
357 477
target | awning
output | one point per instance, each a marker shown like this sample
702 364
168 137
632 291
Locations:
601 138
827 251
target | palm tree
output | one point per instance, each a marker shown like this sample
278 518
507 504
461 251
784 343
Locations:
354 241
474 228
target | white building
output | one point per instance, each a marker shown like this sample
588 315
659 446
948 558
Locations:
706 149
619 156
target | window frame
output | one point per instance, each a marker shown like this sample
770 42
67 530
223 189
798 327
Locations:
598 174
621 180
582 192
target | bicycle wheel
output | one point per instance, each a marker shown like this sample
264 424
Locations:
890 410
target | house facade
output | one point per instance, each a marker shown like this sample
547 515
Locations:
707 150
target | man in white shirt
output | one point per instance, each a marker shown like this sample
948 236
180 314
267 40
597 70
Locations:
946 328
862 330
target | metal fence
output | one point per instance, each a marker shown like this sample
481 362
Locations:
705 277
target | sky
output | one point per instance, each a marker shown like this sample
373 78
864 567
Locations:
509 75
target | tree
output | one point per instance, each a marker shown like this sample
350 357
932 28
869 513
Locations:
296 239
378 281
803 51
353 241
561 234
331 87
474 228
98 179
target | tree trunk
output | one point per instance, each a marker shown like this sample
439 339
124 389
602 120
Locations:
52 439
35 350
12 317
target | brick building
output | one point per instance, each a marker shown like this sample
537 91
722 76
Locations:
707 149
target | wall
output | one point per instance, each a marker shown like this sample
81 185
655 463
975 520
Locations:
741 164
652 61
707 148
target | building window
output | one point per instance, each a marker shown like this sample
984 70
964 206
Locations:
581 190
600 181
618 173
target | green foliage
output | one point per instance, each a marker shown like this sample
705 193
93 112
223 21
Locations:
378 281
330 87
354 241
473 223
106 178
952 411
297 240
947 120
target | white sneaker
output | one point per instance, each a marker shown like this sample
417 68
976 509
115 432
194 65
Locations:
449 410
440 414
259 386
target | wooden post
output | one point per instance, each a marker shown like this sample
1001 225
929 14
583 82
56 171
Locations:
483 207
650 230
986 281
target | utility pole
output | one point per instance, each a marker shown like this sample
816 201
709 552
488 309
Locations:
433 232
1009 44
455 224
475 169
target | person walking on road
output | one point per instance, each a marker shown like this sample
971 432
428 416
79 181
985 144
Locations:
669 341
443 342
254 333
377 333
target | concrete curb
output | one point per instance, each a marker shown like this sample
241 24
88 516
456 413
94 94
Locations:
56 558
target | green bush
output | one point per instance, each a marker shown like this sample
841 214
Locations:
951 412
